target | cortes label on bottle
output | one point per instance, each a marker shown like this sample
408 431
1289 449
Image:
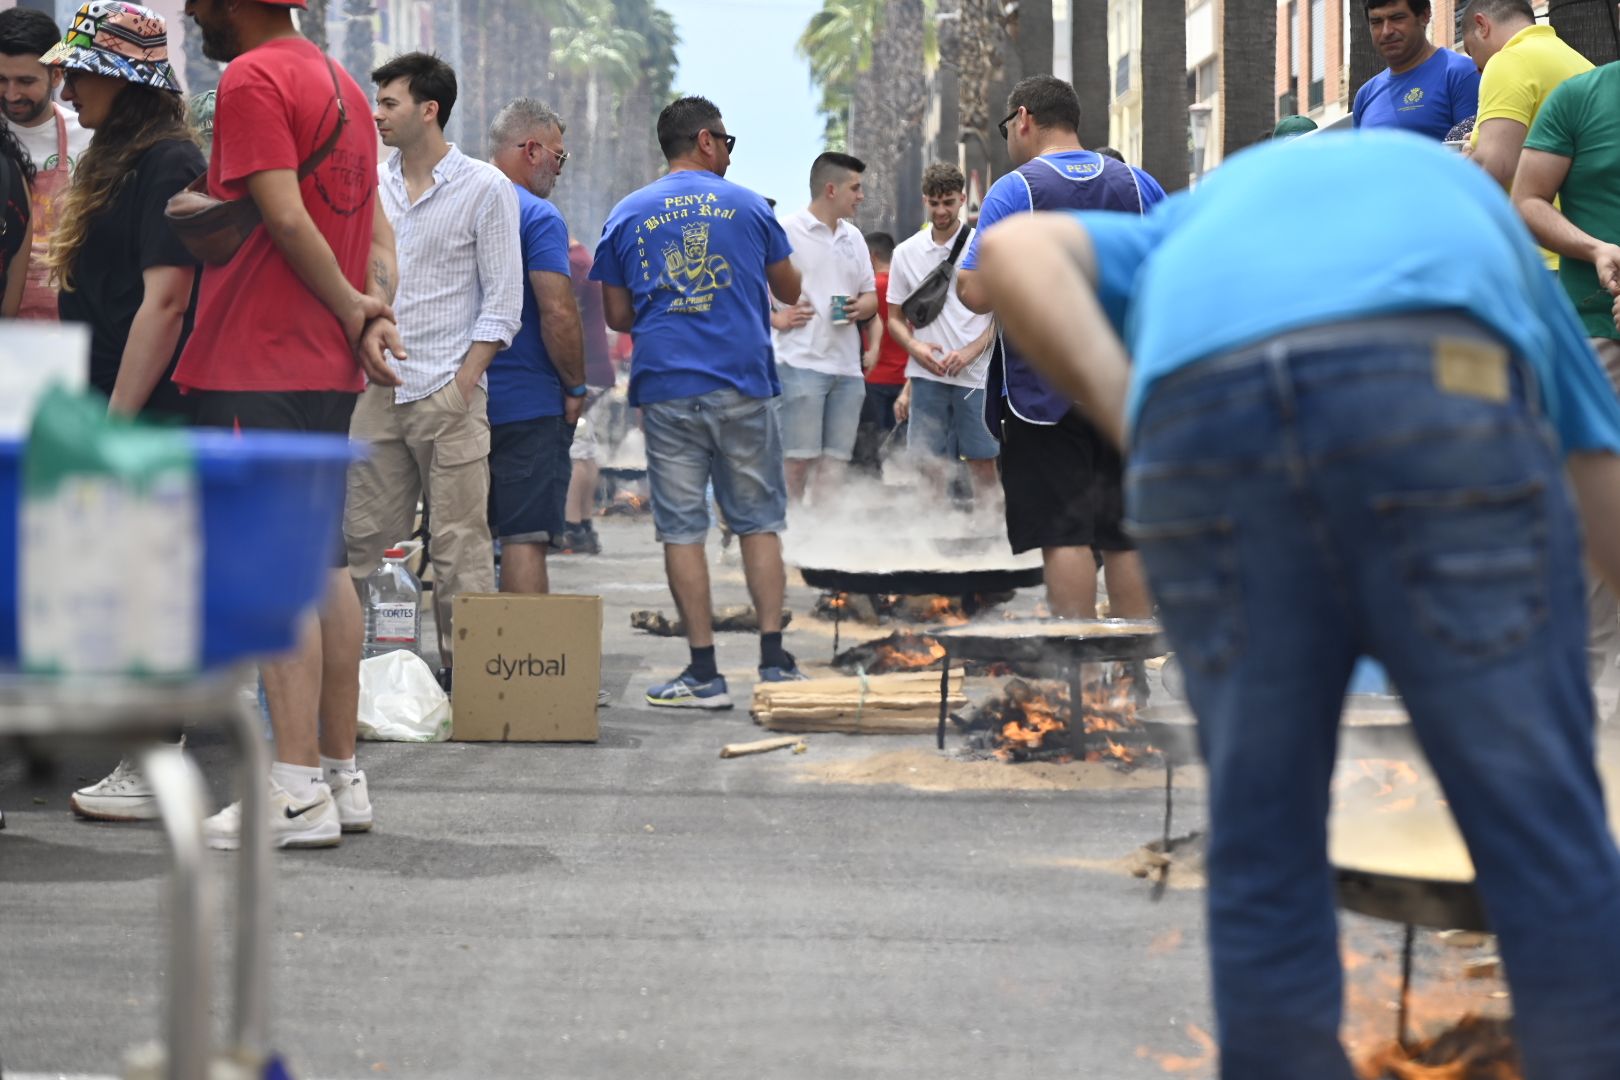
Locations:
395 623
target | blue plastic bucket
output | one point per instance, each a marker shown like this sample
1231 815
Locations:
272 508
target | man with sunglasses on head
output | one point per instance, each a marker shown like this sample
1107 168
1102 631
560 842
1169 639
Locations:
1061 478
687 265
537 384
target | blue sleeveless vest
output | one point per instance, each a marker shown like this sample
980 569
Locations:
1053 186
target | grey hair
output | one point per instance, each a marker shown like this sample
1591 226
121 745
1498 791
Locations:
1498 10
521 117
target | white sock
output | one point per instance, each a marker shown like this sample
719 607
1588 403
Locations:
332 765
297 780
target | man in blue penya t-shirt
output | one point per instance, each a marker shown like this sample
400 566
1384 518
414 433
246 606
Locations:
687 266
1425 89
537 383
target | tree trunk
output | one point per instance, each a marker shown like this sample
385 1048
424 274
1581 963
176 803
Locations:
1088 36
1034 22
1164 92
202 74
359 39
1590 27
313 23
893 110
1247 66
1365 61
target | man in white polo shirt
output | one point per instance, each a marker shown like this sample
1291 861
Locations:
944 395
818 345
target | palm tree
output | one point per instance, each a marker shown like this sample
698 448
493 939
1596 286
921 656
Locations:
597 61
313 22
838 43
1365 61
1165 151
1032 23
1249 56
899 78
1588 26
359 38
1088 49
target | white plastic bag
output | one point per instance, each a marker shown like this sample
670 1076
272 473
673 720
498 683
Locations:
401 701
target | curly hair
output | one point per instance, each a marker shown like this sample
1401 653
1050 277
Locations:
142 117
942 178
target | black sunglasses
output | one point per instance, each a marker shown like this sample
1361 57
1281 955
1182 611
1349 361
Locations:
729 140
1002 127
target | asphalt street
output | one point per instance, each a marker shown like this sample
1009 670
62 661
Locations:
639 907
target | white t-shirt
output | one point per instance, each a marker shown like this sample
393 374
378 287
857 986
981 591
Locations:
956 327
831 263
40 142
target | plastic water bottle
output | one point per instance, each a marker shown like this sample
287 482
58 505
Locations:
393 607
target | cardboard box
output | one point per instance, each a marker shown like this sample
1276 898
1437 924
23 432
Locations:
527 668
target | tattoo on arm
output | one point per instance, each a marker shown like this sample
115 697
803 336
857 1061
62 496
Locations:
379 274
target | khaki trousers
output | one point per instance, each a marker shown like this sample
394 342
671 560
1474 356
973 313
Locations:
436 449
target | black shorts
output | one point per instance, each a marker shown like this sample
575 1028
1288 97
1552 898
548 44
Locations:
529 471
1064 485
323 412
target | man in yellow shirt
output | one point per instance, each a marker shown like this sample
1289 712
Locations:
1520 63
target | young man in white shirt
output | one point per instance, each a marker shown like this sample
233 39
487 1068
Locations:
944 395
50 133
818 342
460 301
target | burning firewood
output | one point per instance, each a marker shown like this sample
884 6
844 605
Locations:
1031 720
1476 1049
739 618
900 651
880 705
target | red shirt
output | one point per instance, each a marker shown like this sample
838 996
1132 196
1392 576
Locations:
258 326
593 323
890 369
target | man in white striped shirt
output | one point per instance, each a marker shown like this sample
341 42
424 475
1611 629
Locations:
460 302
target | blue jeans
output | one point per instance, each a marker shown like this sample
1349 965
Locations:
1319 498
724 437
820 413
941 410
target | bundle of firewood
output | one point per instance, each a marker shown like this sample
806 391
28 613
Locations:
898 704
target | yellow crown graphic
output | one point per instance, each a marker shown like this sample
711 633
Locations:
1414 95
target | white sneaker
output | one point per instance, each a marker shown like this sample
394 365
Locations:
352 797
123 795
311 825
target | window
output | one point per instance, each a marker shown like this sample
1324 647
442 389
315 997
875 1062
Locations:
1293 40
1318 52
1122 75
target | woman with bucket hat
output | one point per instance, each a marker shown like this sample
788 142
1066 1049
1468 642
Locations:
120 266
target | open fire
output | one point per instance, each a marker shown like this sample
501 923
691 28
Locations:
1476 1049
900 651
1032 720
921 610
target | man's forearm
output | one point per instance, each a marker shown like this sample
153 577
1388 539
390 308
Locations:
1554 231
477 360
982 342
900 330
565 343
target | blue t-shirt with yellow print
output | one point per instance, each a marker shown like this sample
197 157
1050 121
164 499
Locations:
1431 99
692 250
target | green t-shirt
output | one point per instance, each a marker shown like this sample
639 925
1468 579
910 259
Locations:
1580 121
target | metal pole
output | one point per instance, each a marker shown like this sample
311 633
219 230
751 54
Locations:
1403 1016
178 787
944 695
251 979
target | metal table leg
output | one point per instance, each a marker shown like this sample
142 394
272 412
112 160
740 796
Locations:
178 788
944 695
251 977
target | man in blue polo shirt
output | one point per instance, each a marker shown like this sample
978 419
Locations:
537 384
685 265
1424 89
1371 465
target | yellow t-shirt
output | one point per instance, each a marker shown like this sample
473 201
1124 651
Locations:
1518 79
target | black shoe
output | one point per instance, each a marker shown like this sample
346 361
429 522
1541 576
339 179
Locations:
444 679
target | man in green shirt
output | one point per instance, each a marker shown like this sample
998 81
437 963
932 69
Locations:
1573 153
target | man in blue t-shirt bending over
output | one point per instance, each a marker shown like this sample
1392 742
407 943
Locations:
1375 465
685 265
537 383
1426 90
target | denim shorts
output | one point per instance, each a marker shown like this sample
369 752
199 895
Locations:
721 437
529 471
940 410
820 413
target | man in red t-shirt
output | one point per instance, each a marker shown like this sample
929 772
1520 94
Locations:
275 346
884 361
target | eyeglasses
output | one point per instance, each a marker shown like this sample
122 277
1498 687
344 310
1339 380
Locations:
1002 127
562 156
729 140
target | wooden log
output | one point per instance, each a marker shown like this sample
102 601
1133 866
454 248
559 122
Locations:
759 746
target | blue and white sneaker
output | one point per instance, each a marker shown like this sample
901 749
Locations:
686 692
791 673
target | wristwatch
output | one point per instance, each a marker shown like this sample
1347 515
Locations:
579 391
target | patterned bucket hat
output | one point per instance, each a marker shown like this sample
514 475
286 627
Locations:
119 40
